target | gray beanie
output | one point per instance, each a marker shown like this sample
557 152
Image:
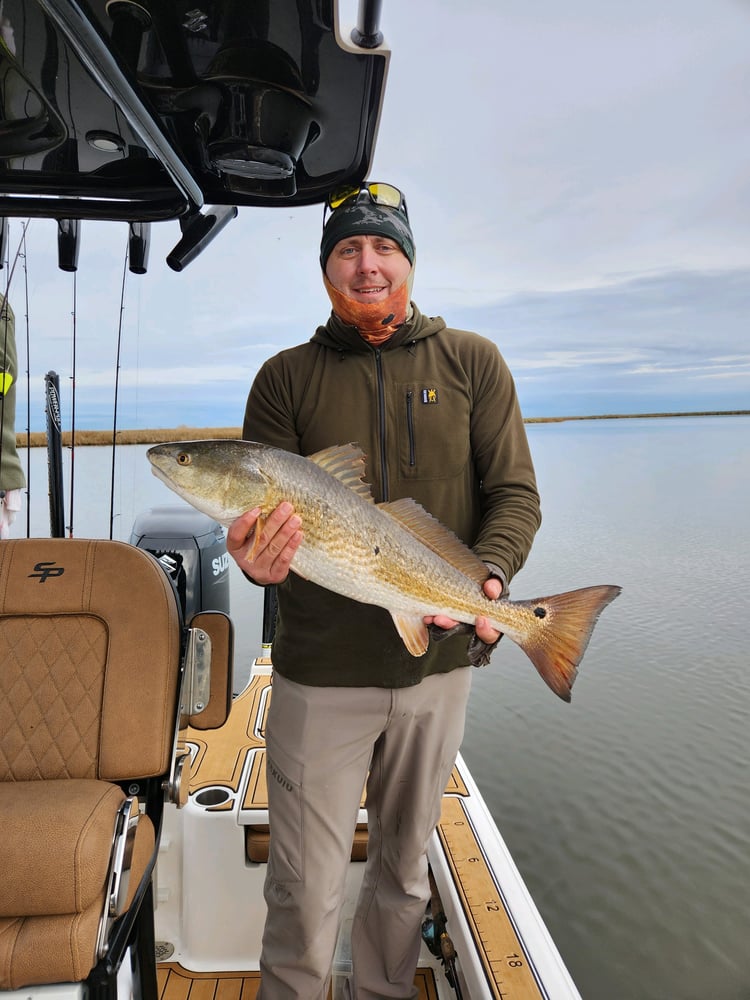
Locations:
362 217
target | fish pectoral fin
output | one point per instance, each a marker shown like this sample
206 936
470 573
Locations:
413 632
257 532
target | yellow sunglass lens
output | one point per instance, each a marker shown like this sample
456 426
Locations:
385 194
338 197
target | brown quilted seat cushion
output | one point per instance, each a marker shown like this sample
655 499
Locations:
89 661
57 838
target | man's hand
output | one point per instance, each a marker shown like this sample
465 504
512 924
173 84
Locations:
264 548
493 588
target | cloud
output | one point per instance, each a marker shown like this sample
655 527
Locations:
578 179
662 338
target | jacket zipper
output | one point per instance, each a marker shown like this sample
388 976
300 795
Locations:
381 424
410 428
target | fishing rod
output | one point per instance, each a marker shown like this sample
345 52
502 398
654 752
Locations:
54 455
270 608
73 403
28 386
117 388
435 936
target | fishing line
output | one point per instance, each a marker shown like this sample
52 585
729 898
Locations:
117 388
73 403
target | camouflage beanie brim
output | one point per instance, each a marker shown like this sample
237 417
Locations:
365 218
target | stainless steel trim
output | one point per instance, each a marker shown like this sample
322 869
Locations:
118 875
196 682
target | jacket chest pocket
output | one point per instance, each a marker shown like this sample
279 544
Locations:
433 431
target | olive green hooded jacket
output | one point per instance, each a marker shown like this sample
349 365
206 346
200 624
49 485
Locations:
11 470
435 412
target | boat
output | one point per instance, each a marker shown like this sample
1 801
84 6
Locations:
134 819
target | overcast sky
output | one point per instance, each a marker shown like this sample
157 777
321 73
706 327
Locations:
578 181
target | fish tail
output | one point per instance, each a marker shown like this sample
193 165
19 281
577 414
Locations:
560 634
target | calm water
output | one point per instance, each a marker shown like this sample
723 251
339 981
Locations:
628 811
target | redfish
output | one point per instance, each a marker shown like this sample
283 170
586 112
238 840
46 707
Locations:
394 555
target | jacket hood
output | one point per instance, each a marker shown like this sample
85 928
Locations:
339 336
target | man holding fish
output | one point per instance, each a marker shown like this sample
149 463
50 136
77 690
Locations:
436 414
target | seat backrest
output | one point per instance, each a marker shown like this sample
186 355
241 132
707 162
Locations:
89 661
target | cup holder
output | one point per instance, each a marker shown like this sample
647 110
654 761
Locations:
212 796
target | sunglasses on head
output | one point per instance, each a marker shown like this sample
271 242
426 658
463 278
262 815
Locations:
380 194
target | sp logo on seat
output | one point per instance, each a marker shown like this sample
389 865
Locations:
45 570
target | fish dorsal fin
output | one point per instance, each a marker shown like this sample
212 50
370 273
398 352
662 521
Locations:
437 537
346 462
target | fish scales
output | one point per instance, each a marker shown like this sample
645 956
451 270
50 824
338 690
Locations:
395 556
356 547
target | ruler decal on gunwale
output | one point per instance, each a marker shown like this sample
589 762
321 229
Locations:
509 972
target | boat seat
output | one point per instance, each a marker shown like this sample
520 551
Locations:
258 837
90 668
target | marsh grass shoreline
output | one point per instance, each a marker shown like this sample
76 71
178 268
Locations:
37 439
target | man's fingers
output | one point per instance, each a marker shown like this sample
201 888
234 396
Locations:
442 621
492 587
485 632
276 532
241 528
264 547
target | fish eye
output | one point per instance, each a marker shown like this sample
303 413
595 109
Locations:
183 458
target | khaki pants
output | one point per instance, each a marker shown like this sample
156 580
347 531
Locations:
321 743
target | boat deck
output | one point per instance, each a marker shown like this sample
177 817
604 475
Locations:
176 983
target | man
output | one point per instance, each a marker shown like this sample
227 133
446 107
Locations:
12 479
435 412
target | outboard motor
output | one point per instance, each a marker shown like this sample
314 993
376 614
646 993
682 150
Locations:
192 551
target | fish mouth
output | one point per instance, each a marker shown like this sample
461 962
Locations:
159 473
158 458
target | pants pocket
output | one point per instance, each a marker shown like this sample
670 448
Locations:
285 859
